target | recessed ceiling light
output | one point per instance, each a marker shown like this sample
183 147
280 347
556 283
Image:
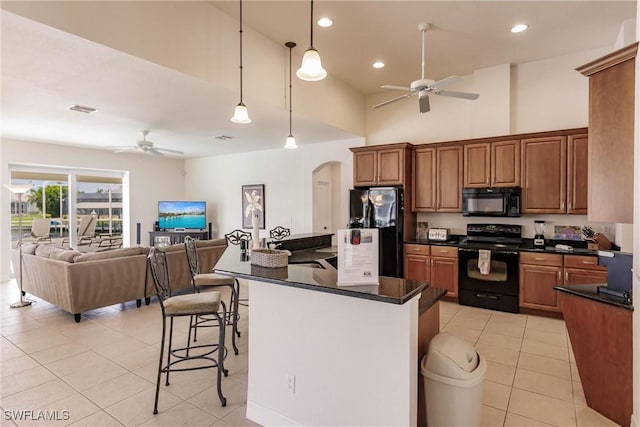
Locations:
82 109
519 28
325 22
378 64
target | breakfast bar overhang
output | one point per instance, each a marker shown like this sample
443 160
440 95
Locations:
323 354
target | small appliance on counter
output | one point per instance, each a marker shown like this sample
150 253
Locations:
540 227
438 234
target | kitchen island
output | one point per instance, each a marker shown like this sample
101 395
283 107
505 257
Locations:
323 354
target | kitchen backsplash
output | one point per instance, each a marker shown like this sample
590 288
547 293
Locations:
457 224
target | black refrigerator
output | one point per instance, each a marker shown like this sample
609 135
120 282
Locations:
381 208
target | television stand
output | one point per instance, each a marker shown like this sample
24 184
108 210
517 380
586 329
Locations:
178 236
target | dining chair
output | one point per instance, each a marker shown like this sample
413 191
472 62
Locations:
212 280
236 237
279 233
192 305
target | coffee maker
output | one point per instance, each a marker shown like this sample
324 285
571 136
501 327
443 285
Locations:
540 227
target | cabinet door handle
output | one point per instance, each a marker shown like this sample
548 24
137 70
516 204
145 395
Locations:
569 206
562 205
540 259
566 277
559 277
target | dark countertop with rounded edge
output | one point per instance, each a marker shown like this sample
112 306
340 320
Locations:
390 290
527 246
591 292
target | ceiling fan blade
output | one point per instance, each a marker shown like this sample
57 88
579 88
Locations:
166 150
395 87
445 82
455 94
123 149
154 151
397 98
423 101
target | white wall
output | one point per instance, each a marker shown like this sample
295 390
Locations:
287 175
151 179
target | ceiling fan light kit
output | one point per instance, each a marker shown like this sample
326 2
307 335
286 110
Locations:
424 86
291 141
311 69
241 114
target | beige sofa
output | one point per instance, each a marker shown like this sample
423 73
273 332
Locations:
78 282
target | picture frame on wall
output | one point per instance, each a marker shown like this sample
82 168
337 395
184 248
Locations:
252 202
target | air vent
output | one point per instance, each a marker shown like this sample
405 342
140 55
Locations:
224 137
82 109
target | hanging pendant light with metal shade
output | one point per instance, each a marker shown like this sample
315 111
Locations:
311 69
291 141
241 114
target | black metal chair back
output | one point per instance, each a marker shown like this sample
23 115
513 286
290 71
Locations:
192 255
237 236
157 260
279 233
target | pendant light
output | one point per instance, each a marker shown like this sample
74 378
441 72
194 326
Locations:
291 141
240 114
311 69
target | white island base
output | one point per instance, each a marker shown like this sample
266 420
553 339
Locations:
319 358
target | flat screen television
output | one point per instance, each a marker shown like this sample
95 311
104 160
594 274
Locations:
182 214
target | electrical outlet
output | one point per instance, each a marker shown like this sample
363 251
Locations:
291 383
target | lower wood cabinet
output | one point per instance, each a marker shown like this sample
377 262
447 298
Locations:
540 272
437 265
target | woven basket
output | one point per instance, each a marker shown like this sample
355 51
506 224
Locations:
269 258
280 273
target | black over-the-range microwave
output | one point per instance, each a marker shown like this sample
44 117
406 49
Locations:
491 201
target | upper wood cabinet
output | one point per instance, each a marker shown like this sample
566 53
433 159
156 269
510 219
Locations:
611 138
577 174
554 174
437 179
492 164
380 165
544 175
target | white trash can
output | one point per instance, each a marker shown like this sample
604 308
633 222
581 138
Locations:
453 379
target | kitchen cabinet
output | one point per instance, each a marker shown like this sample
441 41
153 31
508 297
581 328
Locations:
381 165
492 164
437 179
540 272
555 174
544 175
437 265
577 174
611 135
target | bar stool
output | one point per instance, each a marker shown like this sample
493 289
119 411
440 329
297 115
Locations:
192 305
236 237
212 280
279 233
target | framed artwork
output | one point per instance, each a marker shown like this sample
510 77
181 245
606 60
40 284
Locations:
252 202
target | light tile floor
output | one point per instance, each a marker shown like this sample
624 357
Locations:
103 370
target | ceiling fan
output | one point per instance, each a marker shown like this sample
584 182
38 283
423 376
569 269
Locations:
424 86
145 146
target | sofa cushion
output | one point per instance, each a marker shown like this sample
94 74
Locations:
45 251
29 248
116 253
67 255
214 242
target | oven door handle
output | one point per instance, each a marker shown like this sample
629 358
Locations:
493 251
487 296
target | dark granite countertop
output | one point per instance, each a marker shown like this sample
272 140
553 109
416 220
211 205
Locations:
591 292
450 242
390 290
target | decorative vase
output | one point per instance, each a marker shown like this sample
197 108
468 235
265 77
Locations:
255 234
